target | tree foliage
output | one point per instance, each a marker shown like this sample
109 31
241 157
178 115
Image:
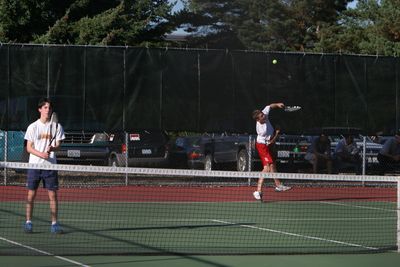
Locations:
105 22
20 20
263 24
372 27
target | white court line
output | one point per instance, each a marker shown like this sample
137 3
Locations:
285 219
298 235
336 219
355 206
95 220
171 202
207 220
43 252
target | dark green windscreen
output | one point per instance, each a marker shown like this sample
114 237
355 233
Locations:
125 88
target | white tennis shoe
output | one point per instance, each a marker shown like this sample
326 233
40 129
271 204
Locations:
282 188
257 195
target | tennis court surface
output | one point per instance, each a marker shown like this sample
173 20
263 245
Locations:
129 211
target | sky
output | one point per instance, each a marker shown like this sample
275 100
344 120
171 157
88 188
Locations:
352 4
178 5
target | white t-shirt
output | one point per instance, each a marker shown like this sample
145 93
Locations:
265 130
39 134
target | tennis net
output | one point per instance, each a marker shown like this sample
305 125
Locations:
112 210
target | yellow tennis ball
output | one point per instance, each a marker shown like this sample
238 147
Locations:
274 61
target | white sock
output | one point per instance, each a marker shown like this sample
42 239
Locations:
28 221
53 223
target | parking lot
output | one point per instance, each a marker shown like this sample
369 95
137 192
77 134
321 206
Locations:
196 151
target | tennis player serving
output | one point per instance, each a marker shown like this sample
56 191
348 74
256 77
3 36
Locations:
41 146
266 137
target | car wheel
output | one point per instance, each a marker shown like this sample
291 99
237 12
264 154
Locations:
208 163
113 162
242 161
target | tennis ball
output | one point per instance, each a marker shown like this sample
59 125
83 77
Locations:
274 61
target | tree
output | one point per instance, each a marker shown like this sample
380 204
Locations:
371 28
263 24
21 20
95 22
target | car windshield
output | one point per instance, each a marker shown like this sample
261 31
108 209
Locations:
356 138
187 141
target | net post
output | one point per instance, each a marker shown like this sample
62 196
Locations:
364 157
398 215
250 152
126 157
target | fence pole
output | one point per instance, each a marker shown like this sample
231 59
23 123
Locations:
364 155
5 155
250 152
126 156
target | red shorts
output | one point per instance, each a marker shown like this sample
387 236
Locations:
264 153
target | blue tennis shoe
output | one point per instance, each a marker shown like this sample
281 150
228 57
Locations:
56 229
28 228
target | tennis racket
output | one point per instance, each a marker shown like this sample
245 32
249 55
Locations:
53 123
292 108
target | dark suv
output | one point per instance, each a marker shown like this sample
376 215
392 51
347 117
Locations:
144 149
211 151
191 152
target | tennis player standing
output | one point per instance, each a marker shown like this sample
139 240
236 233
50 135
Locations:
38 136
266 137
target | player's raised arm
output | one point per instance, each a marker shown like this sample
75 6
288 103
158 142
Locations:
277 105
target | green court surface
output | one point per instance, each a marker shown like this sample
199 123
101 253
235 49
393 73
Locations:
203 228
331 260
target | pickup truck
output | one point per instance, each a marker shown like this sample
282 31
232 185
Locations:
84 148
78 147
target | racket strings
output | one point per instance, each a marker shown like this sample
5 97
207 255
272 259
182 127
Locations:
292 108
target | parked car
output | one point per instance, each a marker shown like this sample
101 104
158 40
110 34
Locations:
210 151
291 148
84 148
145 148
78 147
188 152
290 152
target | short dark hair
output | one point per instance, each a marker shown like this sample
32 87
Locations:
43 101
256 113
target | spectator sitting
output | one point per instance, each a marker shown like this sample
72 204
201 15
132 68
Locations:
377 137
319 153
389 155
347 155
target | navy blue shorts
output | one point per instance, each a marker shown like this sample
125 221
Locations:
49 178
